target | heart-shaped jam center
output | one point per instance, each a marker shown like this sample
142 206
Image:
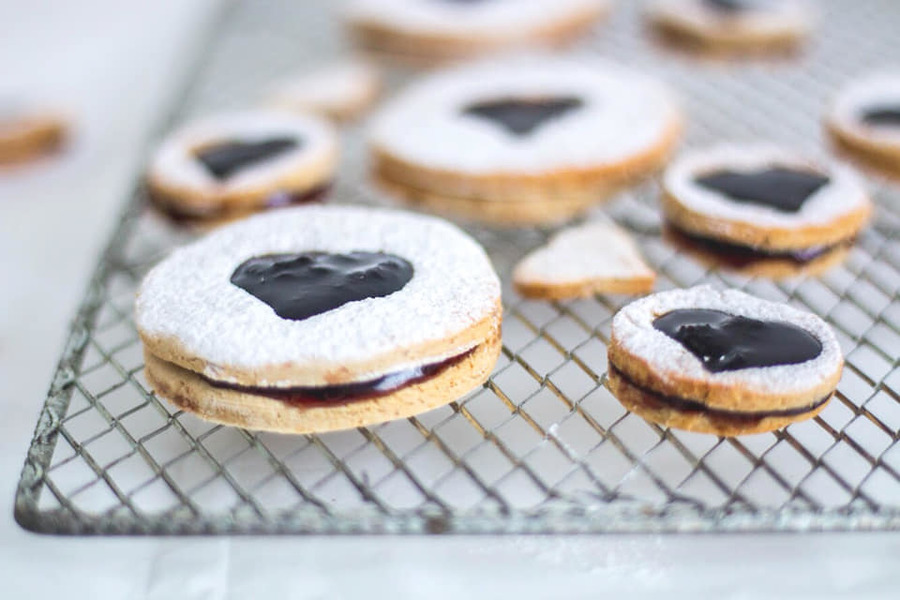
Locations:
725 342
732 6
882 115
299 286
780 188
223 159
522 116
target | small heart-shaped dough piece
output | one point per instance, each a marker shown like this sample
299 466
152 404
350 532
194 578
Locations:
597 257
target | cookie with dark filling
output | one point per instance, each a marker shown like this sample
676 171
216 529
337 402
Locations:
721 362
762 210
316 318
228 166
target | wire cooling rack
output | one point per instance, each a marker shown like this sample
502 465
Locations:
543 447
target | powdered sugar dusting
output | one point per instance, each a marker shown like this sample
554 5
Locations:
498 18
843 195
624 115
595 250
189 295
175 164
632 327
877 89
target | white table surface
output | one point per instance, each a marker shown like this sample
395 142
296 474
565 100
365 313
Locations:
114 65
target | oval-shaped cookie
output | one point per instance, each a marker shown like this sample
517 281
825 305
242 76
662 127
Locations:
229 165
721 362
319 318
522 140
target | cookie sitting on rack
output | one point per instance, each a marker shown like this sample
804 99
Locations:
340 91
435 30
865 121
320 318
522 140
721 362
763 210
733 25
227 166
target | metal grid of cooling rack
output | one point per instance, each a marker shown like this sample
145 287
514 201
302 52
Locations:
543 447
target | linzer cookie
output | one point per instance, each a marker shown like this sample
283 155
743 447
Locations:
320 318
721 362
227 166
763 210
594 258
733 25
865 121
522 140
435 30
340 91
26 134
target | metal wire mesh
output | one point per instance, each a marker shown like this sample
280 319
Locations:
543 447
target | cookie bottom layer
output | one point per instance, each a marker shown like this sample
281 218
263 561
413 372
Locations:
725 41
191 392
691 415
38 138
753 261
865 152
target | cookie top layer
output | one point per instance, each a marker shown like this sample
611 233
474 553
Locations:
188 311
332 89
737 17
176 165
604 115
470 18
875 92
842 193
633 329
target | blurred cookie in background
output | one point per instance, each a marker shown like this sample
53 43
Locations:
340 91
435 30
28 133
733 26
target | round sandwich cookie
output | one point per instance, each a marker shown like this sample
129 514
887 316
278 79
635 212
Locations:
341 91
521 140
763 210
593 258
733 25
438 30
865 121
721 362
29 133
229 165
320 318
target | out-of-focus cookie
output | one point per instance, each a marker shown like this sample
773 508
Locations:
865 121
721 362
320 318
733 25
593 258
340 91
26 134
435 30
763 210
522 140
230 165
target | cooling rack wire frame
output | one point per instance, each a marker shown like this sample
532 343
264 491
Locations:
543 447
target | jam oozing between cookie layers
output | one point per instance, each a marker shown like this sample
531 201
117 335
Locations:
522 116
737 256
781 188
299 286
882 116
224 159
348 392
725 342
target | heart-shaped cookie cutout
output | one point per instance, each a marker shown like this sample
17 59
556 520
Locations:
522 116
302 285
781 188
223 159
725 342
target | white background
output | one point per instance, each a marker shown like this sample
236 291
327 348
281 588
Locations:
114 66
